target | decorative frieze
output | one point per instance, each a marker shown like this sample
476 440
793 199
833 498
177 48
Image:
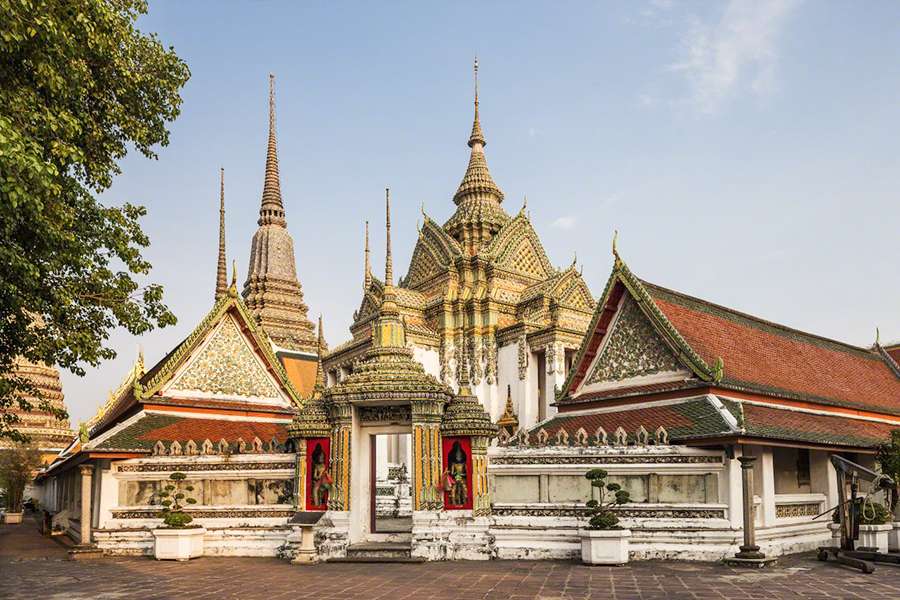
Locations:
252 513
630 512
601 459
155 467
523 356
490 355
797 509
394 415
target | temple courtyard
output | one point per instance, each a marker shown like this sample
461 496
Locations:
32 566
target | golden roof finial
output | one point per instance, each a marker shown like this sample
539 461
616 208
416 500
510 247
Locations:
221 267
877 337
477 136
388 259
367 275
615 250
233 288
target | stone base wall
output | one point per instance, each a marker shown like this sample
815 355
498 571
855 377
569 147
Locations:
451 535
218 541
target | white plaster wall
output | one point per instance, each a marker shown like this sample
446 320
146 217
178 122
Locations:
430 360
507 375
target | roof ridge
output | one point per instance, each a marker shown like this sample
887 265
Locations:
787 329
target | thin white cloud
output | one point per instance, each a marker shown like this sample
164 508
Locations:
565 222
737 53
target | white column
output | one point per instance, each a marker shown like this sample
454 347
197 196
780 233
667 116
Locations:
767 470
734 489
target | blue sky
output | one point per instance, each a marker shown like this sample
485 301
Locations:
746 151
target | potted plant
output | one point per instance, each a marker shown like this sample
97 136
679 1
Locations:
888 459
17 468
603 541
177 539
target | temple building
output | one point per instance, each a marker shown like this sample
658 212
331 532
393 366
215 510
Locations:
461 418
45 432
720 425
481 302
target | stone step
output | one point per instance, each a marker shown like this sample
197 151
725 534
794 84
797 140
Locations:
378 559
379 552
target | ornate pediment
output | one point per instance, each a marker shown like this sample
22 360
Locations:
516 247
225 366
633 349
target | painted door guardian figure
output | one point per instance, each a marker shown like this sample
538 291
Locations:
455 476
321 477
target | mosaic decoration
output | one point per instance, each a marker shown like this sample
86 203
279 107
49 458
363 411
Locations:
636 512
633 349
227 366
804 509
523 356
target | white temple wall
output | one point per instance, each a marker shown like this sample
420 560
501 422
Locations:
430 360
508 375
686 502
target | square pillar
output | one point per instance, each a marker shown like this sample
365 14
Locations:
87 472
767 489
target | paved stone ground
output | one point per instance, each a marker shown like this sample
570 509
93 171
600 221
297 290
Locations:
32 567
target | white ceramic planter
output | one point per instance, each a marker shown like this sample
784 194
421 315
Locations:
894 537
604 546
11 518
178 544
874 536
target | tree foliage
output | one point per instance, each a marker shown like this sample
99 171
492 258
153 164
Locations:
600 510
79 86
173 498
17 467
888 459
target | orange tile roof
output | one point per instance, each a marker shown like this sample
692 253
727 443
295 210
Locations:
301 373
776 423
771 358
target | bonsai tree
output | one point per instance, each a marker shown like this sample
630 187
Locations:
888 459
609 495
17 468
174 496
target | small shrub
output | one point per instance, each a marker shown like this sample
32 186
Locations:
600 511
173 497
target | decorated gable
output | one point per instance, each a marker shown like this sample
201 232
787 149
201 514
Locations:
632 353
226 366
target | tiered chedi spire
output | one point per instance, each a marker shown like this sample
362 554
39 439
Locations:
221 268
272 290
479 214
45 431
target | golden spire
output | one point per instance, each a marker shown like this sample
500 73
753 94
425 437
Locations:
221 269
232 289
508 419
388 259
477 136
367 276
272 208
320 369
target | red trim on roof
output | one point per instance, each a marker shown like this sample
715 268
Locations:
609 310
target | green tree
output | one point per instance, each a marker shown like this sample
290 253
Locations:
17 468
79 85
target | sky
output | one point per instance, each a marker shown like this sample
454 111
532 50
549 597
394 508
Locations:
746 151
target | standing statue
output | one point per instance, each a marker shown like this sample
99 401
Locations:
455 476
321 477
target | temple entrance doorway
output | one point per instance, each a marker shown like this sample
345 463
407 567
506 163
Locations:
390 476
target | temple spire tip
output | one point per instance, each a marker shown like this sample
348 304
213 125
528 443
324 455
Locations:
221 266
388 258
